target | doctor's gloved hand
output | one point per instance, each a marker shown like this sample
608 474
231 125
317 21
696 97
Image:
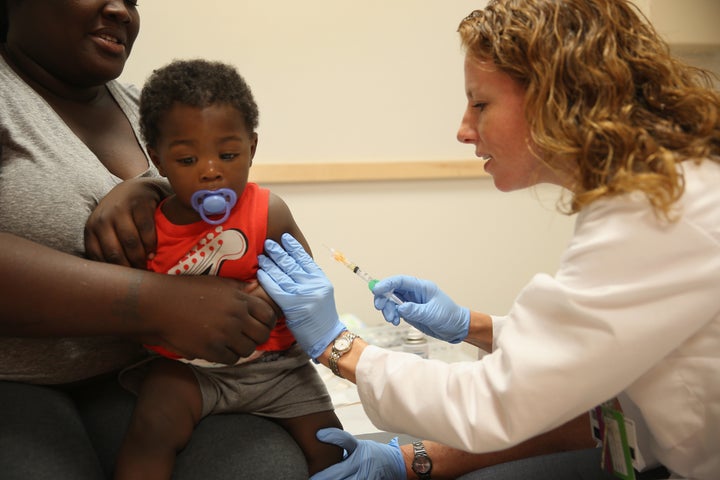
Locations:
303 292
365 460
425 307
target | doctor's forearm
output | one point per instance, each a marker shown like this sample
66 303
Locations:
449 463
480 332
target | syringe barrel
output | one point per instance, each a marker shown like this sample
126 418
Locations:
360 273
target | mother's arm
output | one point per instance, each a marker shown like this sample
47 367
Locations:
46 293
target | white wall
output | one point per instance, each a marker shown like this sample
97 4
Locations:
479 245
375 80
693 22
691 28
335 80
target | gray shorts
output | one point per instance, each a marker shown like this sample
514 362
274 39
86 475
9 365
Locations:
277 385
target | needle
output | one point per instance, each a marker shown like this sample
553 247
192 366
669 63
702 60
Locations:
362 274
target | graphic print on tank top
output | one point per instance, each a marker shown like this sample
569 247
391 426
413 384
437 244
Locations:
208 255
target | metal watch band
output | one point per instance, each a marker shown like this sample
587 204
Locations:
421 464
335 354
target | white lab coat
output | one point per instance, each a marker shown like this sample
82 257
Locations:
634 307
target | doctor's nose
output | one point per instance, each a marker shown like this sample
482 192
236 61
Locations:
465 133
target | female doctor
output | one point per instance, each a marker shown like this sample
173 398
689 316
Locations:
581 94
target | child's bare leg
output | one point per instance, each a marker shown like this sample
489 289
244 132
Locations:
319 455
168 408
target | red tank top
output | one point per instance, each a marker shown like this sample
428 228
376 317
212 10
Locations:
228 250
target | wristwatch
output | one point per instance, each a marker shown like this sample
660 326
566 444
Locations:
421 464
340 347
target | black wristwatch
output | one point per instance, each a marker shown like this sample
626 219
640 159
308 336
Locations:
421 464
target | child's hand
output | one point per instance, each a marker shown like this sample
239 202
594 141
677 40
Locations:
254 288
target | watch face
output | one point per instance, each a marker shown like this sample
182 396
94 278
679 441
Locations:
421 464
342 344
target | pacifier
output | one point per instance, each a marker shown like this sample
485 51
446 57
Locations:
214 202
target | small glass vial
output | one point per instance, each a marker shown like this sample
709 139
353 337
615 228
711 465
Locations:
416 342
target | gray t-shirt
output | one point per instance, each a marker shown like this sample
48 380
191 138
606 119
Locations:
49 183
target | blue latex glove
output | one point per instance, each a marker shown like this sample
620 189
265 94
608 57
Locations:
426 308
303 292
365 460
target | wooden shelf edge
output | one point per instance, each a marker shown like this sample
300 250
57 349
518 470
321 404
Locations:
365 171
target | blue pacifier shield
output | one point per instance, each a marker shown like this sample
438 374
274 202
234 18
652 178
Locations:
214 202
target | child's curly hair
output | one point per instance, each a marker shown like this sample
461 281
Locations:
606 102
197 83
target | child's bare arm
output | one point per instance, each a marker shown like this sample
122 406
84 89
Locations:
280 220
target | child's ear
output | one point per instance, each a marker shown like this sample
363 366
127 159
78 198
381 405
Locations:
253 146
156 160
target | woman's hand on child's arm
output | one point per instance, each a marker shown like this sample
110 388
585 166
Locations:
47 293
201 316
121 229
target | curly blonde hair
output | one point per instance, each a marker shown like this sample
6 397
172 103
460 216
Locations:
606 102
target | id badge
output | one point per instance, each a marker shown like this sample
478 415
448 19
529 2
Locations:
617 436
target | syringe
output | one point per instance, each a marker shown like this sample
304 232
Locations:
362 274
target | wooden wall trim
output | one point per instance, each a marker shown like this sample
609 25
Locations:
265 173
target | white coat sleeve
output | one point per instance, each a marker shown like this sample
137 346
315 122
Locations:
498 323
629 290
